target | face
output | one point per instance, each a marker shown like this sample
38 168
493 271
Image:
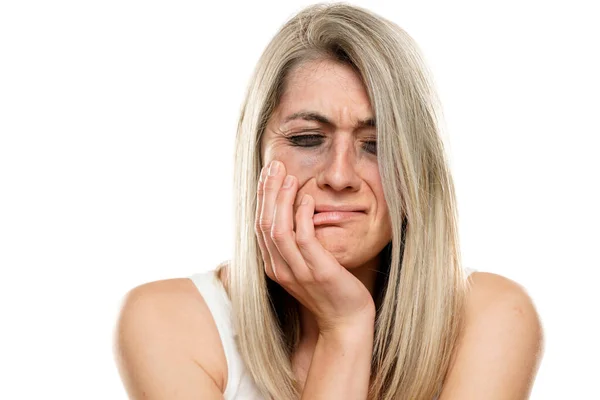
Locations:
333 155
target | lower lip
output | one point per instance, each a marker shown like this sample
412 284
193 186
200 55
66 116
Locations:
333 217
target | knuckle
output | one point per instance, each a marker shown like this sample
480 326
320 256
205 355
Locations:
302 241
258 229
277 234
269 272
270 184
284 278
322 275
305 278
264 225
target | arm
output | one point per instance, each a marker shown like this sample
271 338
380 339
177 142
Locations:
340 366
154 344
501 345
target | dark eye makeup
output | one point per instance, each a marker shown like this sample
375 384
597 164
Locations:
315 140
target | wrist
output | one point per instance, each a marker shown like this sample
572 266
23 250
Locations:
349 332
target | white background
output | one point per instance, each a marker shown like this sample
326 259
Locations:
117 123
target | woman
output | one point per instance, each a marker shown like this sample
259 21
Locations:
345 282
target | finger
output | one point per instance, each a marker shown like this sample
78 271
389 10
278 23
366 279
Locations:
261 242
318 260
272 185
282 231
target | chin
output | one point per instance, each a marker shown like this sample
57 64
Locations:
350 252
349 256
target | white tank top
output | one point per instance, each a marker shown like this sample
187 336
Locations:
240 385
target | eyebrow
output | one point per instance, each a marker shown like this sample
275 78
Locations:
315 116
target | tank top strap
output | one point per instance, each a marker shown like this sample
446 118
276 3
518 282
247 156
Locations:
217 301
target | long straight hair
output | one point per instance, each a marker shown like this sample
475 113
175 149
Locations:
420 298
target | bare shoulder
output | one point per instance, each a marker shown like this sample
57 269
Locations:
166 344
501 343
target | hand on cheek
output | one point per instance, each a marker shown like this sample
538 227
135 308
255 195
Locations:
297 260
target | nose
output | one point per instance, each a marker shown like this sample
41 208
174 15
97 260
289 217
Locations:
339 170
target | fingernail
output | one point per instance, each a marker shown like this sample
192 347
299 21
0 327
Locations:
304 200
263 173
287 183
273 168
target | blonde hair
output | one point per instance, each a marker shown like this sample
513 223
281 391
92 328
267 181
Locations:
419 307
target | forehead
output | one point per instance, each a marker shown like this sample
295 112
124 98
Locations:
331 88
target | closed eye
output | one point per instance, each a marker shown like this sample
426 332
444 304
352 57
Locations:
371 146
306 140
315 140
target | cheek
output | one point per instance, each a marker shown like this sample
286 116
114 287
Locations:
297 162
377 187
308 162
380 195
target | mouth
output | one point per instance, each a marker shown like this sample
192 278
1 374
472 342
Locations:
325 208
335 217
339 211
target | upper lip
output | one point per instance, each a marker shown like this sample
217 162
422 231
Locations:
327 207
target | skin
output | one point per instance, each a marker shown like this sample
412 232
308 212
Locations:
329 268
166 343
337 168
